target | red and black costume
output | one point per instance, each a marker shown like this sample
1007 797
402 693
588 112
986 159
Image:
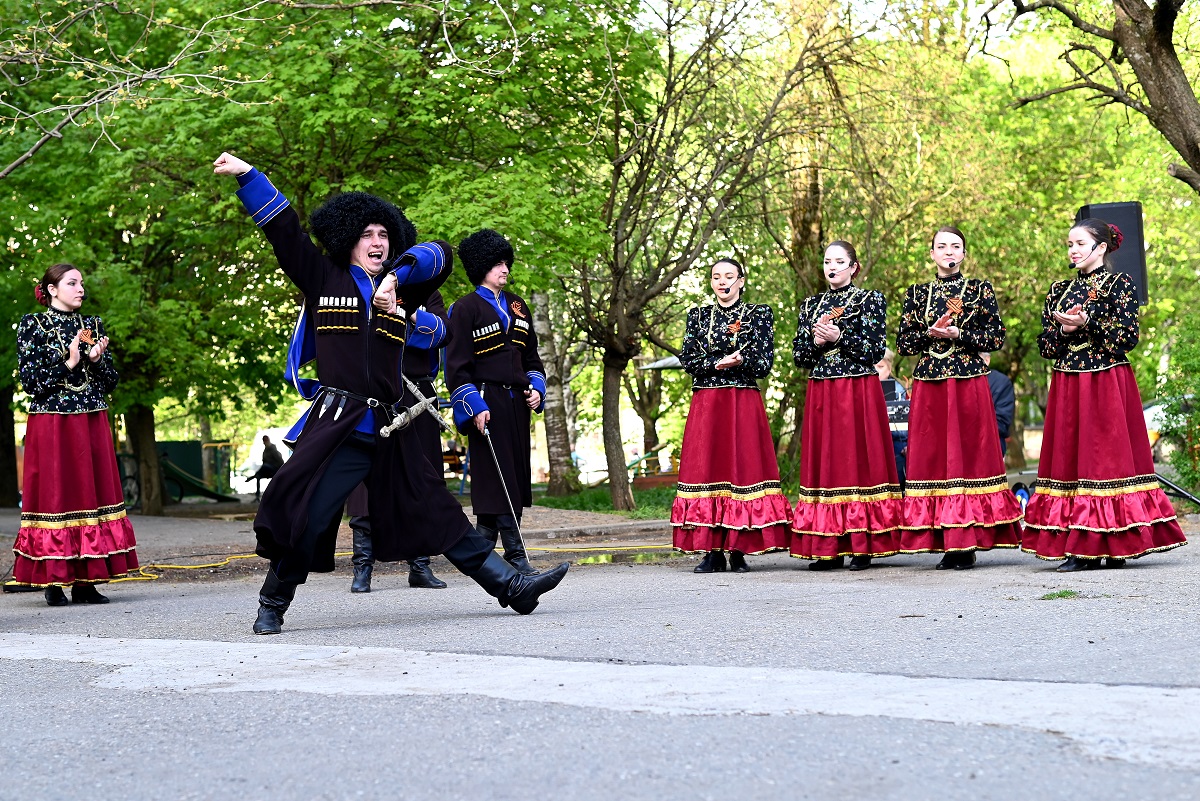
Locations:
729 496
1096 494
73 523
850 502
956 499
358 352
491 361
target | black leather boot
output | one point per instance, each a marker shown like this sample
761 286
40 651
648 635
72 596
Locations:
713 562
966 561
473 556
828 564
420 574
364 555
514 549
737 562
1076 563
87 594
949 560
1114 562
860 562
273 600
55 596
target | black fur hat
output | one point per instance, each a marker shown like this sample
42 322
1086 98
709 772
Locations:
340 221
481 251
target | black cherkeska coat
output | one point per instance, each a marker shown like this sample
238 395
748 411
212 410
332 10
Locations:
358 350
498 364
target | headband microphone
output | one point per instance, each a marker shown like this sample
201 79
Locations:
1075 265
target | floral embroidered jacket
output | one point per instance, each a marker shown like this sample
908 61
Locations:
972 306
713 332
43 343
862 317
1110 301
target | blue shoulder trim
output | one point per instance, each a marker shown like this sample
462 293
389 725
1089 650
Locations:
261 199
420 263
293 433
538 382
426 330
466 402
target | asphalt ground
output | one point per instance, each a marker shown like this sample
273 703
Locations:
632 680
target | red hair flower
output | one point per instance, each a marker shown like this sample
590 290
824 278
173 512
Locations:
40 294
1117 236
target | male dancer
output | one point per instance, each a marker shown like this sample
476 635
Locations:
426 335
495 378
358 350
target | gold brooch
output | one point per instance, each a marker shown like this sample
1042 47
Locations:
86 337
734 327
516 307
954 306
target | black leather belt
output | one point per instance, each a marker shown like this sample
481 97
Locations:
330 393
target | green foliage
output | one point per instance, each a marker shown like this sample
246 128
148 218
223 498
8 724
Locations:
652 504
1179 393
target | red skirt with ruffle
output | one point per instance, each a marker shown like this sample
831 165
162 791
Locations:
850 502
1096 492
73 523
956 497
729 496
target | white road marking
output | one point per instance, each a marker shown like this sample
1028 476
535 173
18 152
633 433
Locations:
1137 724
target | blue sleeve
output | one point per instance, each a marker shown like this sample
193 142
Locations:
466 402
427 331
261 199
421 263
538 382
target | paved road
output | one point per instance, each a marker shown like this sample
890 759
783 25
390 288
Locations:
631 681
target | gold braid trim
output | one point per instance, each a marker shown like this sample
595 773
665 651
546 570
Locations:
957 486
879 492
86 517
723 489
1106 488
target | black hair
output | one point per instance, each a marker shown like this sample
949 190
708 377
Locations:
1102 233
741 271
949 229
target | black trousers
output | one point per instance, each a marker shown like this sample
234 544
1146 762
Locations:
348 466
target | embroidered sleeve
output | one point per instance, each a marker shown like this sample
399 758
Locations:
865 341
426 330
983 331
40 364
1116 329
1052 342
913 338
804 352
299 258
694 357
103 372
758 353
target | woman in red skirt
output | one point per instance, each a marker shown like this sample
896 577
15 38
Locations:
956 498
729 496
850 500
74 532
1097 496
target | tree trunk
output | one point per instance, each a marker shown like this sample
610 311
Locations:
1015 458
564 475
8 449
207 455
139 426
614 448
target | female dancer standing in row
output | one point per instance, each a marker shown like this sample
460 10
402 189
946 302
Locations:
1097 495
729 495
850 500
74 532
957 499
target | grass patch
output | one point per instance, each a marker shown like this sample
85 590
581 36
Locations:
1059 595
652 504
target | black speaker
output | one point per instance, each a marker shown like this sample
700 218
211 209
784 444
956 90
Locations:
1131 258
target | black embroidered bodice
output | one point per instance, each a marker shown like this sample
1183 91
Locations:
43 343
972 305
862 317
1110 301
714 332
